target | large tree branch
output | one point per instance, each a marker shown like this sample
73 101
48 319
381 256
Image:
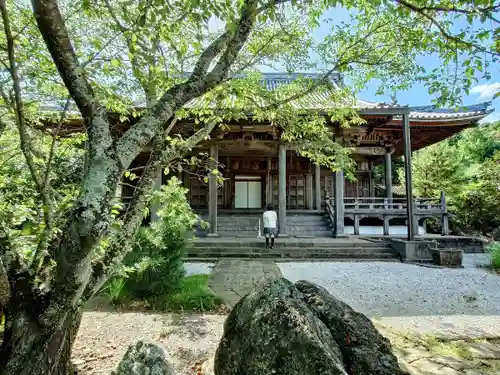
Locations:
162 155
139 135
53 30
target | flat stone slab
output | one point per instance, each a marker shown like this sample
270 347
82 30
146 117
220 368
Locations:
484 350
450 327
231 279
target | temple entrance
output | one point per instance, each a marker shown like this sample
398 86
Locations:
248 192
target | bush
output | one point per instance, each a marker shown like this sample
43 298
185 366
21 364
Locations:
494 251
154 269
156 264
193 295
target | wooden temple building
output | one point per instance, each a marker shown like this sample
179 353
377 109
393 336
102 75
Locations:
259 168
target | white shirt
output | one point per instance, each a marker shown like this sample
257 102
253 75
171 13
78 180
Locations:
270 219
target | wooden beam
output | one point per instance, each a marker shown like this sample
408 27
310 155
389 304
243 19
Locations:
408 179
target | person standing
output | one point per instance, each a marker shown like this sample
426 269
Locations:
270 220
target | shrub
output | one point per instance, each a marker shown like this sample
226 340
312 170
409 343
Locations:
154 268
156 264
494 251
193 295
114 289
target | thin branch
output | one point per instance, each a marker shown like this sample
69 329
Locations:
140 134
18 103
442 30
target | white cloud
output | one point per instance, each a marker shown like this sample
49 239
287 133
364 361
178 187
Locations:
486 91
492 117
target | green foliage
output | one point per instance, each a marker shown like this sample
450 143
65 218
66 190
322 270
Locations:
114 289
21 207
435 169
154 268
192 295
477 206
466 167
494 251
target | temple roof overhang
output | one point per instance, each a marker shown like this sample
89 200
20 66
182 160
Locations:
429 124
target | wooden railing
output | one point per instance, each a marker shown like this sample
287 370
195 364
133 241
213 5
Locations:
357 208
394 206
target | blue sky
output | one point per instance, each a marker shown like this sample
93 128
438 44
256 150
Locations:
482 91
418 94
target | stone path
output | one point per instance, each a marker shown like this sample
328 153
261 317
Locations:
231 279
424 355
446 327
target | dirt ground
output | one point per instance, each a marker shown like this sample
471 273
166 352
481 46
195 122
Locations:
189 340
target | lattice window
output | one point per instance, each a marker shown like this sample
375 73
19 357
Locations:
296 192
198 193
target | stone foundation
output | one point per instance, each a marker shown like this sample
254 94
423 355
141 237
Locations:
448 257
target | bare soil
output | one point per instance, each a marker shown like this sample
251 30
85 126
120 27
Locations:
104 336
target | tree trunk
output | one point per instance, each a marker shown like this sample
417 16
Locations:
29 348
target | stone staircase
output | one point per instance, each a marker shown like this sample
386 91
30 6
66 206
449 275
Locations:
308 238
241 225
291 249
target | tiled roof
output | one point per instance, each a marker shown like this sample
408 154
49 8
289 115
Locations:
320 99
431 112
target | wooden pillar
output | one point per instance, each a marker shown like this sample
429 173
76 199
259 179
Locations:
282 190
269 186
212 190
309 191
339 204
388 174
155 207
385 217
410 208
317 186
444 220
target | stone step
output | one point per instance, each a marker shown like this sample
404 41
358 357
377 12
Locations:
286 250
289 219
297 260
290 253
289 228
288 243
253 234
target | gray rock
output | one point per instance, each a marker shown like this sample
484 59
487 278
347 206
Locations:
144 359
364 349
285 329
272 331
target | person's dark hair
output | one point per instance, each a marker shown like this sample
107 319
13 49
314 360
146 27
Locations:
269 207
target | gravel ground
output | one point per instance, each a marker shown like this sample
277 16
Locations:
403 296
396 289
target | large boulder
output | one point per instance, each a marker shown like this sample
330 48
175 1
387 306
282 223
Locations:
144 359
272 331
364 349
285 329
